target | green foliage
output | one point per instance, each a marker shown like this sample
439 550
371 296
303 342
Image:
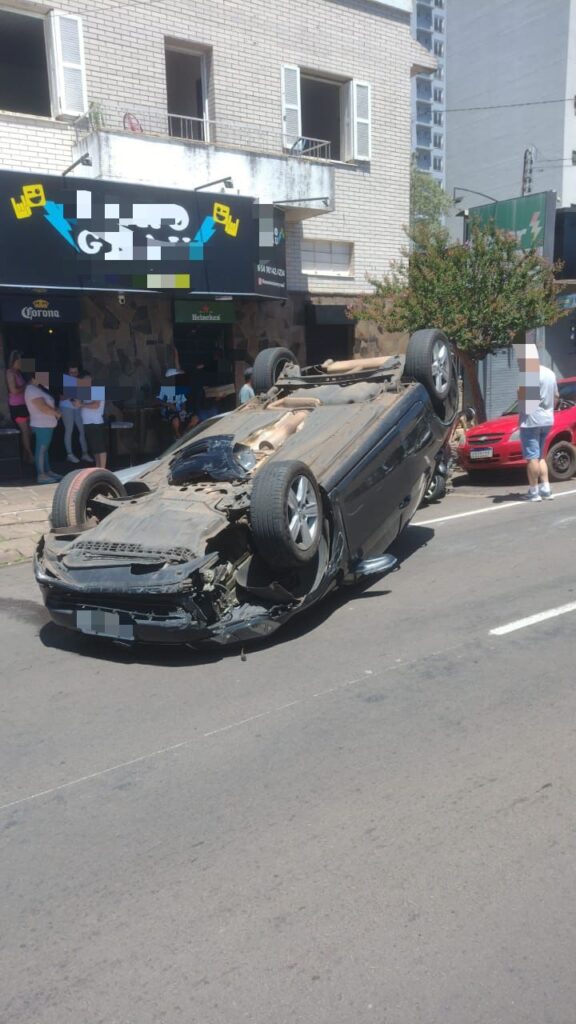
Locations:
428 200
484 294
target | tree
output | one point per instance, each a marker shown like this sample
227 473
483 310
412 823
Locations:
484 294
428 200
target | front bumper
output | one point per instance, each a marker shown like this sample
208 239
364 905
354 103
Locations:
150 618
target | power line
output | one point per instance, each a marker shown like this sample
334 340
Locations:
502 106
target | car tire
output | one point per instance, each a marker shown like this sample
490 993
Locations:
268 366
72 497
430 361
436 489
561 461
286 514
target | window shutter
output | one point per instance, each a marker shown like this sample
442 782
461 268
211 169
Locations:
361 121
291 111
67 65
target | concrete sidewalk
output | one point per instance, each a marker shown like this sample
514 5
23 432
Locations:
24 512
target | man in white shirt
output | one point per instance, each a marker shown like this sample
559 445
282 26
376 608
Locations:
534 429
246 391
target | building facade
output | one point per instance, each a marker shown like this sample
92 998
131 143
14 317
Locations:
511 130
429 90
305 108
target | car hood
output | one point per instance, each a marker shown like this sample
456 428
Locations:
504 425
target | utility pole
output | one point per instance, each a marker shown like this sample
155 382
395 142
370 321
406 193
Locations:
527 171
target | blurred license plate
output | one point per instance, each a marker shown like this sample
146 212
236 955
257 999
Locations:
482 453
98 622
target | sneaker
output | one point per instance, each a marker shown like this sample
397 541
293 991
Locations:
86 457
72 458
533 495
546 494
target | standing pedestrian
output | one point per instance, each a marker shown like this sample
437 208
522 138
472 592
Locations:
92 406
18 411
72 416
43 418
534 429
246 391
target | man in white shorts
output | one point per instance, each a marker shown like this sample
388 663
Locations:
534 429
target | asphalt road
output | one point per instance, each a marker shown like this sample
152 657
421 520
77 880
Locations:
370 820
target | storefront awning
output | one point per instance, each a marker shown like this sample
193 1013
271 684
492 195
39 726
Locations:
90 235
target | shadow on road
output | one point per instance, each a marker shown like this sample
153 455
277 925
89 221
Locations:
101 649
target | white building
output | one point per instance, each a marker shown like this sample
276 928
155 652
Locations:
303 104
429 90
511 83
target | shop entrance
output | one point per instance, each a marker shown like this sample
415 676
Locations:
328 342
205 352
53 347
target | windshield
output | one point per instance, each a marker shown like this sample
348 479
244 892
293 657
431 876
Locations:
566 390
190 435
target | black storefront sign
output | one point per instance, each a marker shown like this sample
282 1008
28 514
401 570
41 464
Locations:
34 309
84 234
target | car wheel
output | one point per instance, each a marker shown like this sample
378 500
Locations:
286 514
437 488
72 502
561 461
268 366
430 361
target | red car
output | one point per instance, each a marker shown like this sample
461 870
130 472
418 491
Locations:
496 443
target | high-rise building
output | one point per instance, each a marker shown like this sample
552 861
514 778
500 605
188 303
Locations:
429 89
511 82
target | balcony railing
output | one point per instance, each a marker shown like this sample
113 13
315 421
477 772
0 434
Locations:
152 121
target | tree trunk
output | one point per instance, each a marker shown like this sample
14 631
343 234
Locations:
470 369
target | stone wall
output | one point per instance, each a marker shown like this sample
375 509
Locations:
128 346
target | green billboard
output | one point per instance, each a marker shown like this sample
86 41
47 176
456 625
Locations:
529 218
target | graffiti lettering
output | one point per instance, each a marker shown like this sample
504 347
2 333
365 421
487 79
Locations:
223 215
31 196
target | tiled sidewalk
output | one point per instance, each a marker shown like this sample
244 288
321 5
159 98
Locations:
23 517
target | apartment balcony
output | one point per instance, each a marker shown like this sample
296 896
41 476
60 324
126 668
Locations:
154 147
424 113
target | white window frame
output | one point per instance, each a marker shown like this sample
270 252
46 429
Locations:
289 138
326 272
57 65
349 117
192 51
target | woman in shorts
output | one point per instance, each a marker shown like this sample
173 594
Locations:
18 410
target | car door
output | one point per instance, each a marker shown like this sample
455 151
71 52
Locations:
385 487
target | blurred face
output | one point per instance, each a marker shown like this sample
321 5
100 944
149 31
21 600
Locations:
42 377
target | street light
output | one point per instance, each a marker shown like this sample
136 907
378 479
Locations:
227 182
460 188
303 199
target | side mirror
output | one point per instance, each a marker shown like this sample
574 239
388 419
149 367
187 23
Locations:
470 414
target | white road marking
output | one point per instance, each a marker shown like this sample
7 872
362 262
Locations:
489 508
186 743
532 620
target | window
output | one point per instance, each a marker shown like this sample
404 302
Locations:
42 65
438 95
438 50
439 73
438 163
438 140
439 3
439 117
186 93
325 118
329 259
438 23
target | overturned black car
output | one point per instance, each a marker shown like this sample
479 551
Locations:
255 515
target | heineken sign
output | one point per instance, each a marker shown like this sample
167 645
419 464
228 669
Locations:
194 312
530 219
